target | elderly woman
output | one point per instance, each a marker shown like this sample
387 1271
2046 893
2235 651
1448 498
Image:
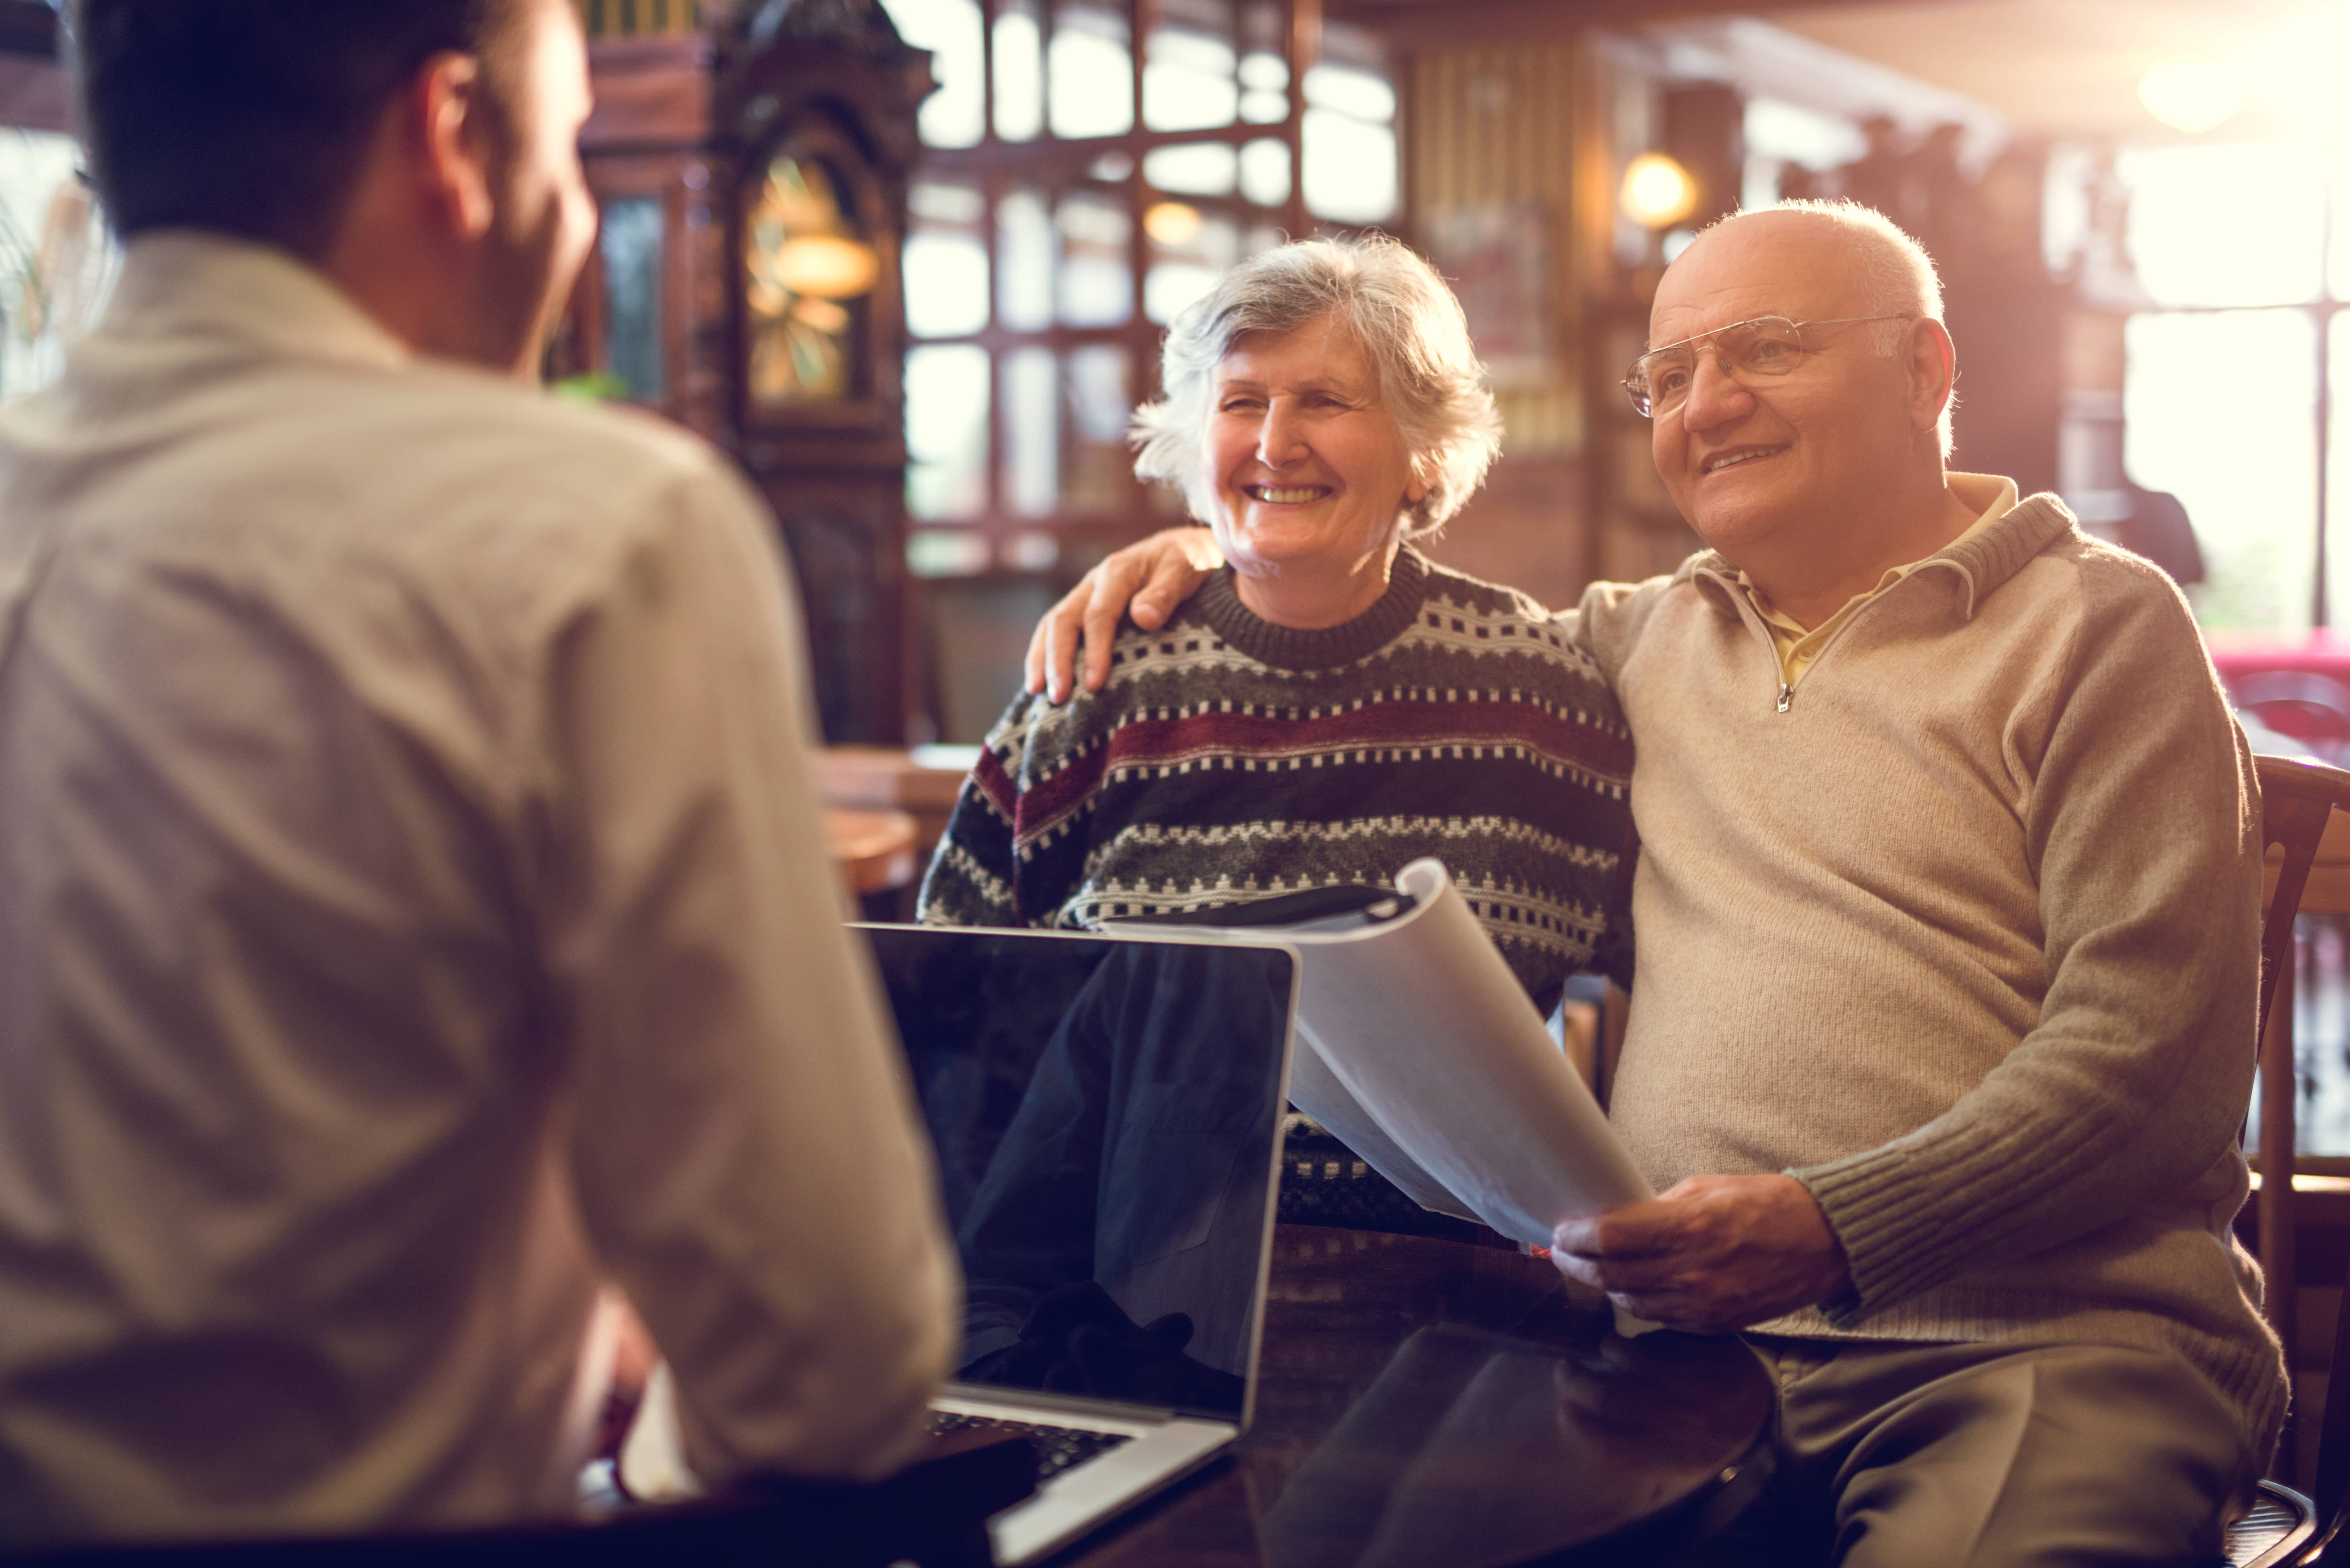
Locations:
1299 722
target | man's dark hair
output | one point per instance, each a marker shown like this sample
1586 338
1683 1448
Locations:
252 117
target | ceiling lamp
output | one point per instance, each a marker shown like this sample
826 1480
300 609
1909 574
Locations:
827 266
1172 224
2194 96
1658 192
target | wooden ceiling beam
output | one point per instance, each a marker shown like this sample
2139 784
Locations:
1407 24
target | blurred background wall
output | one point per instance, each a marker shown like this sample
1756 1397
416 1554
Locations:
2131 201
2130 204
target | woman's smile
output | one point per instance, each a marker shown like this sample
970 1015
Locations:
1284 495
1311 475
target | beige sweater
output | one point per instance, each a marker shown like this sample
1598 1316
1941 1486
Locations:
1965 940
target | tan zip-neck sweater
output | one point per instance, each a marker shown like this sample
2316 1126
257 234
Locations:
1965 939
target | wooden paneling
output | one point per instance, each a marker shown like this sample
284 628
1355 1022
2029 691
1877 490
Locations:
632 18
1487 127
1411 24
650 93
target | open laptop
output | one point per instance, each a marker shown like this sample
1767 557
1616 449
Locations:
1107 1112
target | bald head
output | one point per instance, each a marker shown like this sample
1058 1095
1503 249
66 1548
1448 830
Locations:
1834 454
1878 269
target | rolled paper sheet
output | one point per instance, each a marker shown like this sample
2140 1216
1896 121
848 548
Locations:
1422 1053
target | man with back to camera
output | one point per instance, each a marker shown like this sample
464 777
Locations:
415 910
1948 915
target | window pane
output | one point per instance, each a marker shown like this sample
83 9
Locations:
1265 81
1097 282
1350 167
1019 74
1264 171
1097 474
1181 274
1032 433
955 114
1092 73
946 433
631 244
2337 508
945 265
1188 82
1026 243
946 285
1350 91
2244 466
1201 169
2240 224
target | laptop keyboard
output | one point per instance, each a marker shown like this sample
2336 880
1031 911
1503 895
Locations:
1057 1448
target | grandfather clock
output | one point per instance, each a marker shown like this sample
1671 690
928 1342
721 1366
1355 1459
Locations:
753 180
816 101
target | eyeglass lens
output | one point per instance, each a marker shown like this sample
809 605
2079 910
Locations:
1661 382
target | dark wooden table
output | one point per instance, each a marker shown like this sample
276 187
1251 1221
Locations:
1427 1403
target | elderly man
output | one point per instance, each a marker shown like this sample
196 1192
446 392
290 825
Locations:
415 913
1946 916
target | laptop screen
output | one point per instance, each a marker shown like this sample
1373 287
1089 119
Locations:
1107 1114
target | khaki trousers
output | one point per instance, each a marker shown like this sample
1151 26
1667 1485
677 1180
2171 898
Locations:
1939 1456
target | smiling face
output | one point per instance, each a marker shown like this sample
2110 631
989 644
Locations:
1810 453
1308 469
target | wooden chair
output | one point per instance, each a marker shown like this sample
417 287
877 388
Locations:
2297 797
933 1513
879 856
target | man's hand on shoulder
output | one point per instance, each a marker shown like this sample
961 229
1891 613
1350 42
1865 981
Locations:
1715 1254
1150 579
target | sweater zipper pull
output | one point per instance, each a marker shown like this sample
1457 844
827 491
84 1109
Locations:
1786 698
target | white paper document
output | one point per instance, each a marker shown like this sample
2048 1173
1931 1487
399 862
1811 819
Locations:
1422 1053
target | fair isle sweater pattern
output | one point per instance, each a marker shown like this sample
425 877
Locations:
1229 759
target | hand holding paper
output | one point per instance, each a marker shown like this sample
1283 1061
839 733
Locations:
1715 1254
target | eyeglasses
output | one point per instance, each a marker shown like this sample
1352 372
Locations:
1766 346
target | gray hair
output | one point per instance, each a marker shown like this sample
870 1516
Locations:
1897 277
1407 322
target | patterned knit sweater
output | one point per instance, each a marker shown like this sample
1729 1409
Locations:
1228 759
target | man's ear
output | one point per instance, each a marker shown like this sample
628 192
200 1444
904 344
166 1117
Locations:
1933 370
448 112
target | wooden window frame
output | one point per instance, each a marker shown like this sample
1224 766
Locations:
995 168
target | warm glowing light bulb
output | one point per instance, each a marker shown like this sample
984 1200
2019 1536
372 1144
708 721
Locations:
1172 224
2194 96
1657 192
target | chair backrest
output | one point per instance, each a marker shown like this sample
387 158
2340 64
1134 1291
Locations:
2297 797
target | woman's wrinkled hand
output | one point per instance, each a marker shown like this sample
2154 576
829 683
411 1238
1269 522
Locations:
1146 580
